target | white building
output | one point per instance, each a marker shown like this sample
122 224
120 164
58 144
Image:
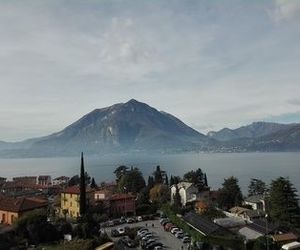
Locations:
188 193
257 202
61 180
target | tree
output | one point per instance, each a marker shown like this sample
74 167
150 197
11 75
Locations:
167 180
150 182
93 184
82 208
171 181
198 178
159 193
177 198
132 181
284 205
120 171
158 176
75 180
230 194
256 187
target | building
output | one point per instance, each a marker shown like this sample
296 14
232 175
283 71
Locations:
61 180
189 193
257 202
44 180
284 238
102 195
122 204
26 179
70 200
13 208
246 213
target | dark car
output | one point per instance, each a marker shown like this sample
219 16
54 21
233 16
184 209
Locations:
153 245
114 233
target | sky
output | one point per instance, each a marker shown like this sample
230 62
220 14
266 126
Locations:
212 64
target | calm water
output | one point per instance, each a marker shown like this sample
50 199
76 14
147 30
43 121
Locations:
266 166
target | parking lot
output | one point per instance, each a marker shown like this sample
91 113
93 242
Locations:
168 239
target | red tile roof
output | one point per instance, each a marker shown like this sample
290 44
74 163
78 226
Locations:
21 204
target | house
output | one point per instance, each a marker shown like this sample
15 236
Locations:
188 193
122 204
102 195
246 213
259 228
13 208
26 180
257 202
70 198
61 180
44 180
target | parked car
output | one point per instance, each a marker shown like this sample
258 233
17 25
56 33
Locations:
139 218
175 230
130 220
179 235
121 231
153 245
114 233
186 239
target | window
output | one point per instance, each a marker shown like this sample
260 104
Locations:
3 218
12 218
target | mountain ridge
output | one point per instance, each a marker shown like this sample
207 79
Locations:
137 127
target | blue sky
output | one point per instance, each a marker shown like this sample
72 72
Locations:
212 64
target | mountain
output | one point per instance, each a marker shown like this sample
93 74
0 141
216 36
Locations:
254 130
123 127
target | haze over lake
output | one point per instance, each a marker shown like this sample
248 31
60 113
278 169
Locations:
265 166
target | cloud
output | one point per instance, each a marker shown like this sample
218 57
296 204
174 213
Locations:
285 10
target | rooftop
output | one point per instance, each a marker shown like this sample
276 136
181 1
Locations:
285 237
75 190
255 198
21 204
205 226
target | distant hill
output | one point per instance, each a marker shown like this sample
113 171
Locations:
254 130
123 127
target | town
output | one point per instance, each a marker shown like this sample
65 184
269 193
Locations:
166 211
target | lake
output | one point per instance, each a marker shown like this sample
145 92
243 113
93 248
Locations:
244 166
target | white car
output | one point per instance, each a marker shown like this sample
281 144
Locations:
175 230
121 230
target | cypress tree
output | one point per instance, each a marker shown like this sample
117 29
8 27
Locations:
82 207
167 180
171 181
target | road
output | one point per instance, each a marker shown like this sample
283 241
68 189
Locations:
168 239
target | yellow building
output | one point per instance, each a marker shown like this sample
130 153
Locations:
70 200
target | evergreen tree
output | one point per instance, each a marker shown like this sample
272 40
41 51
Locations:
133 181
205 180
284 205
230 194
167 180
177 198
198 178
256 187
82 207
150 182
120 171
93 184
171 181
158 177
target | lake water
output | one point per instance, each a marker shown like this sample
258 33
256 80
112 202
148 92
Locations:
244 166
